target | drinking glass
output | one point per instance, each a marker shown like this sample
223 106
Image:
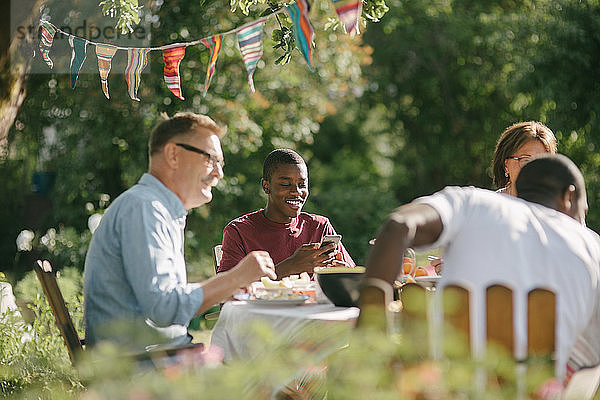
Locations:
409 265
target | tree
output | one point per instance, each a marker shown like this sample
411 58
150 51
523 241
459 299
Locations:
97 147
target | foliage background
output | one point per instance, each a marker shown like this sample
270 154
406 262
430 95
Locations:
414 104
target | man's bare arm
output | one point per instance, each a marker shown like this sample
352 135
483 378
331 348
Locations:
409 225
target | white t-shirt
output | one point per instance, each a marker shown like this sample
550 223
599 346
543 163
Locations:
491 238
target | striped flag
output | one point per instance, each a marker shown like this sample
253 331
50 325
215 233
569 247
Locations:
303 30
214 45
105 54
78 53
348 12
251 48
172 58
137 59
48 32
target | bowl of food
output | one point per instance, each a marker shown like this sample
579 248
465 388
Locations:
341 285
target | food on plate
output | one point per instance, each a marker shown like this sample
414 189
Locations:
271 295
420 271
288 282
277 295
270 284
300 280
336 270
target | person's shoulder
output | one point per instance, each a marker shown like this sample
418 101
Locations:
478 194
313 218
245 219
144 199
473 201
470 193
135 196
471 190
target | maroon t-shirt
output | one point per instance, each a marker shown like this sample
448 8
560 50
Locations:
255 232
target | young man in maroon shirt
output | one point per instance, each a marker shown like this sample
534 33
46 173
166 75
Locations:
291 237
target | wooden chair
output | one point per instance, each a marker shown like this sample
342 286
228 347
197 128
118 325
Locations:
213 313
500 330
541 331
75 344
217 255
63 320
499 310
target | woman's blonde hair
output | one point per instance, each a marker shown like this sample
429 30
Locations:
512 139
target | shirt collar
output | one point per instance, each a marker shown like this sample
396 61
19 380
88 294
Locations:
277 225
172 202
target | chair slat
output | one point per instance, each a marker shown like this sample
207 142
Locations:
457 319
414 326
541 322
499 317
414 300
62 317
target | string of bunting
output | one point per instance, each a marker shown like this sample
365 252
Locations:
249 38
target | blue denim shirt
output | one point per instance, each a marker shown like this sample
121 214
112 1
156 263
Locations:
135 285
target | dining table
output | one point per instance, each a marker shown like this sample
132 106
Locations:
302 334
317 328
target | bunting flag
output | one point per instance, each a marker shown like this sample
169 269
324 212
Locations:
214 45
303 30
348 12
251 48
78 53
249 38
137 59
173 57
105 54
48 32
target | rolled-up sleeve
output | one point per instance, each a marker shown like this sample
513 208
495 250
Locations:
152 249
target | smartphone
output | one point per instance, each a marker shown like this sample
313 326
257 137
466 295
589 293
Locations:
331 239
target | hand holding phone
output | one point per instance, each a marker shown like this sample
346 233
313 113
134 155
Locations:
327 239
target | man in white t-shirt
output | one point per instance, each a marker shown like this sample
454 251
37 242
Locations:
490 238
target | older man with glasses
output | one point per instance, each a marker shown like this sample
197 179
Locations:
136 290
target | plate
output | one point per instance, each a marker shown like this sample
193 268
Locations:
427 281
295 301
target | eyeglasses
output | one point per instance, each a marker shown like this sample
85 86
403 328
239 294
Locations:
212 160
521 160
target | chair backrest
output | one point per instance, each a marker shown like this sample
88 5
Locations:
499 311
499 321
55 298
217 255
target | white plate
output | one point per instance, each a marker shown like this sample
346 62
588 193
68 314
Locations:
295 301
427 281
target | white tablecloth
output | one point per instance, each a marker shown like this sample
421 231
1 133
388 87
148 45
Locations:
318 328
